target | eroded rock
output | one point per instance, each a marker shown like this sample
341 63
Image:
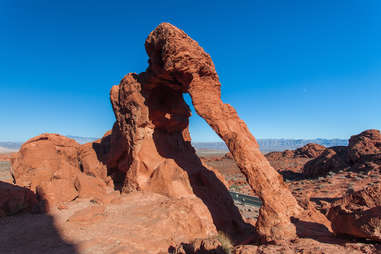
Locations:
358 214
49 165
15 199
153 119
363 153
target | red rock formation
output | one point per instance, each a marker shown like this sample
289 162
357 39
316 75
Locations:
332 159
49 165
153 118
365 147
290 162
309 151
153 121
358 214
362 153
149 147
15 199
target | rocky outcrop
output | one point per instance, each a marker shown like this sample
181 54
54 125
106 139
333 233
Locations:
149 147
153 120
139 222
364 150
358 214
363 153
49 165
308 151
291 162
332 159
15 199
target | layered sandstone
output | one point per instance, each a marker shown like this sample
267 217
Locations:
358 214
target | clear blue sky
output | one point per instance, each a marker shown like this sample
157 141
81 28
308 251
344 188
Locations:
292 69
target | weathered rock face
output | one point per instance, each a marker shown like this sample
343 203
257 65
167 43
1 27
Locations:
362 153
15 199
308 151
49 165
358 214
290 162
365 147
153 120
332 159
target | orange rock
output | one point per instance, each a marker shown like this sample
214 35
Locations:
153 121
56 191
363 153
45 157
50 165
89 186
179 65
15 199
358 214
87 216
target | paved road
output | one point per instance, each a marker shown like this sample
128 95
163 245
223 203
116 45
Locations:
245 199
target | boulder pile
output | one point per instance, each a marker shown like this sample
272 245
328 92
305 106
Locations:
363 153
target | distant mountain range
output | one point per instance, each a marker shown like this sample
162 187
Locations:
270 145
266 145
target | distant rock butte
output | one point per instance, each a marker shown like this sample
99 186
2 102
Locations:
362 153
308 151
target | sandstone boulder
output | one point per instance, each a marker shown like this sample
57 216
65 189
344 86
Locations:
358 214
363 153
50 166
15 199
332 159
310 150
365 147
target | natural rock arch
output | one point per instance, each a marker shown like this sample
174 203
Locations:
153 117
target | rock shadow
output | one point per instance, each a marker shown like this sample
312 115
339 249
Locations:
205 185
316 231
110 150
22 232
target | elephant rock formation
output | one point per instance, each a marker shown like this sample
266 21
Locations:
152 117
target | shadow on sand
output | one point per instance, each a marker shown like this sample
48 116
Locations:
31 233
